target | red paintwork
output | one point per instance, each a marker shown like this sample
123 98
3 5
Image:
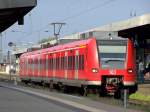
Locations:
90 61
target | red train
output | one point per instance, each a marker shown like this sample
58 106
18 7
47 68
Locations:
104 64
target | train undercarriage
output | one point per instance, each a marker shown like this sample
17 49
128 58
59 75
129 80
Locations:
114 86
111 86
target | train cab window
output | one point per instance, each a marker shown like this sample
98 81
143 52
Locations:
112 53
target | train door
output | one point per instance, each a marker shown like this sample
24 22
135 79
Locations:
61 73
38 66
73 64
54 65
46 65
66 65
27 68
57 65
76 64
50 67
22 67
33 68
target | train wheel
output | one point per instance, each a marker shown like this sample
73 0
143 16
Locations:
118 94
103 91
65 89
83 91
51 86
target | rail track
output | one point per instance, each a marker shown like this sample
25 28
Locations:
142 105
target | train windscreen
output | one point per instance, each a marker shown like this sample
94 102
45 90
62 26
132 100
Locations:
112 53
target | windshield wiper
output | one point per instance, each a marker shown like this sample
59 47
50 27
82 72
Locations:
106 60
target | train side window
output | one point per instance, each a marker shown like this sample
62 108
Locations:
62 63
35 63
39 63
44 64
57 61
27 64
76 62
54 63
73 62
49 64
70 64
52 66
81 62
82 67
66 63
31 63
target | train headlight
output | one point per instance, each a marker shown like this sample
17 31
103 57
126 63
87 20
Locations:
130 70
94 70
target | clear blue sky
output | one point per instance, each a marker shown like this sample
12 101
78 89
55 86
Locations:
79 15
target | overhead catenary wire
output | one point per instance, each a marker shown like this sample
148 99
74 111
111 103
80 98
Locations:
82 12
77 15
88 10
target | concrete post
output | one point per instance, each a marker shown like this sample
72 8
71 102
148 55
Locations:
125 98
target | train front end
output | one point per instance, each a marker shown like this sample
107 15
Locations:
116 66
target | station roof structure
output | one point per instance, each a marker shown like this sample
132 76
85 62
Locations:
138 25
12 11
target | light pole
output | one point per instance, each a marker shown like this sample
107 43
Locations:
1 49
10 44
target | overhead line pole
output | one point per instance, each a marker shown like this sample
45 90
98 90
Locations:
56 33
1 48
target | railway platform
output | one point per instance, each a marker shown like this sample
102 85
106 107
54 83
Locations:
82 103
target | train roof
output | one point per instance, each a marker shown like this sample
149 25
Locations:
68 46
60 47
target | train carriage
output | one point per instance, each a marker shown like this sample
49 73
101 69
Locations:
91 63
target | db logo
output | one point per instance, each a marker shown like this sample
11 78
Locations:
112 71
